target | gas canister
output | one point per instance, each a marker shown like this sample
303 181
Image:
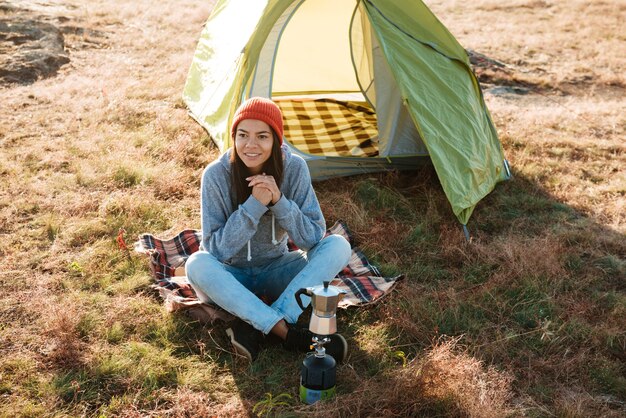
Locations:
317 378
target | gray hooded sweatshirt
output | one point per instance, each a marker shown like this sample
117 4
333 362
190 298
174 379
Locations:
252 234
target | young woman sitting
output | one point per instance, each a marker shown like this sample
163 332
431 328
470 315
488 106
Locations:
253 198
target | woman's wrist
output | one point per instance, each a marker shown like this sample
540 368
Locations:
273 202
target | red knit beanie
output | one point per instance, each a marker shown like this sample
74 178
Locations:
262 109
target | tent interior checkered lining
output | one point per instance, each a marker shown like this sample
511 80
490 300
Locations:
330 127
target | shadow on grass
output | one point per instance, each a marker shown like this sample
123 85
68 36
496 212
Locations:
539 292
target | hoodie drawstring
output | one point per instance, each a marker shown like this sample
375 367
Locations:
273 231
249 258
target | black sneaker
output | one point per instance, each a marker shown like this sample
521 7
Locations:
301 339
245 339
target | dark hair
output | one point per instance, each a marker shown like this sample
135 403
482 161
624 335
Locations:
272 167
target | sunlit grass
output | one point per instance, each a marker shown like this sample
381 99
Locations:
527 319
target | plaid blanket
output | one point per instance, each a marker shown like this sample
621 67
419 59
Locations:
330 127
362 281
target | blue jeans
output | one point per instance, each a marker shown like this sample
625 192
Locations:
239 290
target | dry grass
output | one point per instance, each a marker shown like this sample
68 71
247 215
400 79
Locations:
547 40
63 334
444 380
477 391
528 319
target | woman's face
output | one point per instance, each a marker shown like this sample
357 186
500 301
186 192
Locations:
253 143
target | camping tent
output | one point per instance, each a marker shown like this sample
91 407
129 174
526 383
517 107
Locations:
364 85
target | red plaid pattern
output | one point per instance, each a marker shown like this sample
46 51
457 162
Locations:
361 280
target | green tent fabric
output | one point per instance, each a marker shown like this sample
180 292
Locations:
398 47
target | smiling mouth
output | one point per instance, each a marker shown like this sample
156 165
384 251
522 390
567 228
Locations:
251 155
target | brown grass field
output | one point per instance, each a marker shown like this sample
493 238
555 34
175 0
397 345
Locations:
529 319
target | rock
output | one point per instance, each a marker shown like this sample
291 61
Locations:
479 60
29 50
507 91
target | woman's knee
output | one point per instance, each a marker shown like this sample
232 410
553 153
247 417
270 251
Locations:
340 246
199 263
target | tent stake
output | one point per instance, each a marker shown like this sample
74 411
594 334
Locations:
466 233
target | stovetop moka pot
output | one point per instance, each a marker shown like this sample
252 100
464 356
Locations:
324 300
318 371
